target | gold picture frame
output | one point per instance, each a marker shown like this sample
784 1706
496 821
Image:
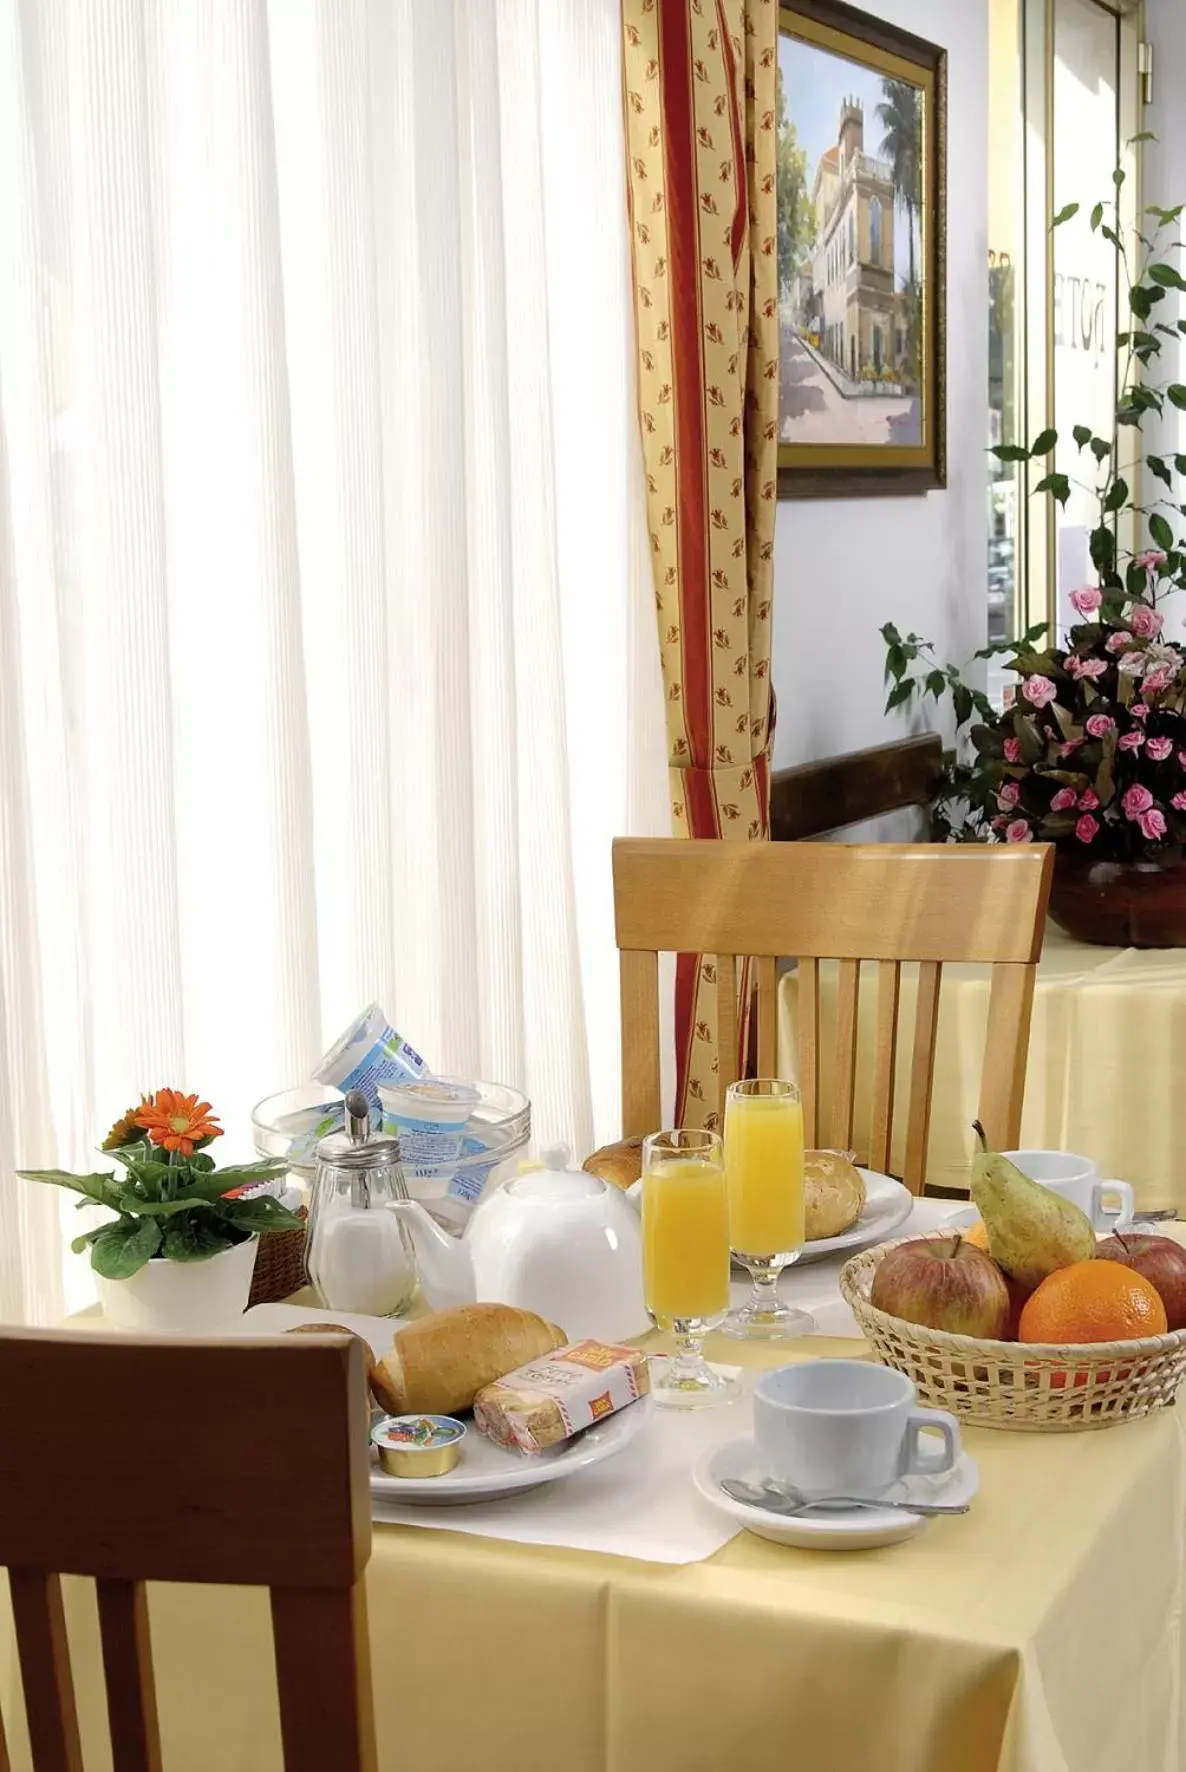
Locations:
862 248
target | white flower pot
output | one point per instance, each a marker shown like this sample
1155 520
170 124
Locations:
182 1297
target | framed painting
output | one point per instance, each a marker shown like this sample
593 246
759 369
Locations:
862 131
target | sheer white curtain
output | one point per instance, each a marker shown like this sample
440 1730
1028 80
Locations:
327 653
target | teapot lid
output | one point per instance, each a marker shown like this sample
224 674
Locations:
358 1147
553 1177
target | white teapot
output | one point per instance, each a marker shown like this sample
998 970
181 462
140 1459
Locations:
555 1240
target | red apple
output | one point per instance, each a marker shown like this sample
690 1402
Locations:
1161 1261
943 1283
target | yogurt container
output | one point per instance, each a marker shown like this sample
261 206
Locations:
368 1054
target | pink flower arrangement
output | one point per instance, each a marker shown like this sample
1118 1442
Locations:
1063 800
1139 710
1158 749
1087 669
1099 725
1088 800
1136 800
1008 795
1018 832
1087 600
1116 642
1151 559
1087 828
1012 750
1144 621
1152 825
1178 800
1132 741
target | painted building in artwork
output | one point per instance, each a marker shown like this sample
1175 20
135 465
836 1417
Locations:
852 309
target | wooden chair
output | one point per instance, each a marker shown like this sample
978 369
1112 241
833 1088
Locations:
813 799
131 1460
828 901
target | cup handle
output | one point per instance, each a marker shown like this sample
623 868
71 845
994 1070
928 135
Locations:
1107 1217
921 1463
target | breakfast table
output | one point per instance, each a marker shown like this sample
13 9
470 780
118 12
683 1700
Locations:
1041 1632
1095 1009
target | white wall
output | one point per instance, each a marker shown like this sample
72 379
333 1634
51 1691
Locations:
1165 178
842 567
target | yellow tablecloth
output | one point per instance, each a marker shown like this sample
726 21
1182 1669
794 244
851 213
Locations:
1040 1633
1107 1043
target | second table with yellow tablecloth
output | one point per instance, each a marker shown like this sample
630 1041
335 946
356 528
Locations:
1107 1047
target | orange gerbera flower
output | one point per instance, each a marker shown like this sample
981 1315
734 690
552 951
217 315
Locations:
178 1122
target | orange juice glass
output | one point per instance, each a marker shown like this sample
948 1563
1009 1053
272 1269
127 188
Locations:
685 1231
764 1175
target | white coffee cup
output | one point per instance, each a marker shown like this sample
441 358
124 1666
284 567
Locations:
846 1427
1077 1178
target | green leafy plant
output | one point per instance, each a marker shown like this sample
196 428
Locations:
1090 750
166 1198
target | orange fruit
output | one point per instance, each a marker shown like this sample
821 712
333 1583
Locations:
976 1234
1092 1301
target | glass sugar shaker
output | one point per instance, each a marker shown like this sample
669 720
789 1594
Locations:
360 1256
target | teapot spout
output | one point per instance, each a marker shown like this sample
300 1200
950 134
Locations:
443 1262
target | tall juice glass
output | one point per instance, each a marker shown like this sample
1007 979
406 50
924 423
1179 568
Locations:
685 1234
764 1173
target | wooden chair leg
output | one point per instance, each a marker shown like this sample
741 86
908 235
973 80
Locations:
324 1678
45 1670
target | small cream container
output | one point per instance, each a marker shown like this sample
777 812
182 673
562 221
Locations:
418 1445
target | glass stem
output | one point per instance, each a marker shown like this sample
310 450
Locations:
764 1296
685 1362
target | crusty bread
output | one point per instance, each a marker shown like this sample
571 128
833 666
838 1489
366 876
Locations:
438 1364
834 1194
620 1163
372 1364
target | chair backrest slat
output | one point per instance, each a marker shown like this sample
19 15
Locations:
44 1652
766 992
885 1061
221 1427
890 903
127 1673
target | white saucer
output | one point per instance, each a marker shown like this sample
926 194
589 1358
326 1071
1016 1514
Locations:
823 1528
887 1205
488 1472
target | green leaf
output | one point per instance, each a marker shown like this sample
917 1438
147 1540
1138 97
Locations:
900 694
1180 463
1161 532
86 1239
121 1250
1065 214
1100 449
936 684
1140 300
97 1187
1009 452
1057 485
196 1237
1110 234
1158 467
135 1207
1165 276
243 1174
1143 135
1117 494
1097 216
1128 415
961 701
1044 442
1177 394
1103 548
1081 434
261 1214
1118 176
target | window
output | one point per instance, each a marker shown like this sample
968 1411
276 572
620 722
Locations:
875 230
852 237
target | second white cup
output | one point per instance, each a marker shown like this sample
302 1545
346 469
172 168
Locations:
1077 1178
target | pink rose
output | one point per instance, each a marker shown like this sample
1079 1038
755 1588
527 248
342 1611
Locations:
1139 710
1159 749
1088 668
1088 800
1018 832
1063 800
1071 746
1132 664
1179 802
1008 795
1182 758
1152 557
1144 621
1099 725
1152 824
1118 641
1132 741
1136 800
1086 601
999 822
1159 678
1039 691
1086 828
1012 750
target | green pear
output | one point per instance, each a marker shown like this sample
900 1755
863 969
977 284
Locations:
1031 1231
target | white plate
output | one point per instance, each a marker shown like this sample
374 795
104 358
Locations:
887 1205
278 1319
828 1528
487 1472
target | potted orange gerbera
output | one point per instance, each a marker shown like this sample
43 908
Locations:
179 1250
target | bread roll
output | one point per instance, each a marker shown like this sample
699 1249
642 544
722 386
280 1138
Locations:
620 1163
438 1364
372 1365
834 1194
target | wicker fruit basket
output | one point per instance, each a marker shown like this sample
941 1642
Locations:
1031 1387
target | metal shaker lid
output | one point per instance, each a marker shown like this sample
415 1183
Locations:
358 1147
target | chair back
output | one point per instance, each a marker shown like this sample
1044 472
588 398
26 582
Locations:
130 1461
811 799
889 903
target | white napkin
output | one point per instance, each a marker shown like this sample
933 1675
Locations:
640 1504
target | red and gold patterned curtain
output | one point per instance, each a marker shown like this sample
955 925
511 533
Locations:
701 146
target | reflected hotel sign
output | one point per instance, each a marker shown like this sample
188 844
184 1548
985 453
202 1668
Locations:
1079 314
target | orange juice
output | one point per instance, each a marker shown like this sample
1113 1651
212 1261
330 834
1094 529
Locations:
764 1170
685 1229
